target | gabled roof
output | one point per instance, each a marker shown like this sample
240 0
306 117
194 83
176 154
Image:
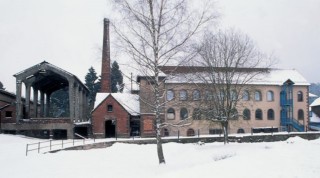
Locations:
315 102
130 102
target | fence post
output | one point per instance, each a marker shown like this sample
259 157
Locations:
27 149
198 133
83 141
272 130
39 147
178 134
50 144
73 141
62 143
251 131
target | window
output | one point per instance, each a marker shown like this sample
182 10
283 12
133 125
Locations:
183 113
246 95
258 114
170 95
257 96
8 114
208 95
300 96
270 96
215 131
183 94
240 130
234 95
190 132
196 115
246 114
170 113
270 114
234 114
196 95
165 132
110 108
300 114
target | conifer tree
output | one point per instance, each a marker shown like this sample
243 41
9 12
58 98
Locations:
116 78
93 83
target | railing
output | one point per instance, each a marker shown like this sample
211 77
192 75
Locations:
52 145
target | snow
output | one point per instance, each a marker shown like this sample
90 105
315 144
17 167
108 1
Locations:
274 77
287 159
313 95
314 117
130 102
315 102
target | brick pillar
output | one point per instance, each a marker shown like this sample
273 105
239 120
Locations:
35 103
28 88
18 101
105 67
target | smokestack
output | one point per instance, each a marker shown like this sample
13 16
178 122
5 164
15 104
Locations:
105 70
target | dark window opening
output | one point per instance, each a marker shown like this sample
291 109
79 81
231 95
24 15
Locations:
270 114
246 114
190 132
258 114
300 114
110 108
8 114
215 131
241 130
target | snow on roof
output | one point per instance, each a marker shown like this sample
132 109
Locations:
313 95
314 118
273 77
316 102
130 102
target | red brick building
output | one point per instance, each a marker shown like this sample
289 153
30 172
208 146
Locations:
116 115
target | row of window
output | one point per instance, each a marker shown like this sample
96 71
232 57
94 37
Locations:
191 132
196 95
198 114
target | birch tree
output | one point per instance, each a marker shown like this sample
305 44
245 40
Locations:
154 33
231 62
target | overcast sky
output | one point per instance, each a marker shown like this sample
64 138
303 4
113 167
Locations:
68 33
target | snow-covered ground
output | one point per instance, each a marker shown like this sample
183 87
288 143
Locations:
292 158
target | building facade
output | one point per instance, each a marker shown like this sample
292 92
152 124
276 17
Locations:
277 102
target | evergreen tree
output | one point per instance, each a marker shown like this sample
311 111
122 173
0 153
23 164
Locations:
93 83
1 86
116 78
59 103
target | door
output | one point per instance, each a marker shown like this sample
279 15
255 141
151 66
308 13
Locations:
110 129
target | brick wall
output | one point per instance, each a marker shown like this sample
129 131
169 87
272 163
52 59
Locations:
101 114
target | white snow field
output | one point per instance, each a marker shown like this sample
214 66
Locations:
293 158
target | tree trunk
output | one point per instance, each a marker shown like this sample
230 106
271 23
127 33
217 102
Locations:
159 147
225 132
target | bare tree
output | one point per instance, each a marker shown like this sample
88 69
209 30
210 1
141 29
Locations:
154 33
230 61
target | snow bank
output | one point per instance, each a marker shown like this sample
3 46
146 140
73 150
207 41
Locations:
244 160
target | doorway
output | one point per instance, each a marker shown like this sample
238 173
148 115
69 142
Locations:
110 129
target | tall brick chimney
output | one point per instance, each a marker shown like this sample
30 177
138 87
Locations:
105 70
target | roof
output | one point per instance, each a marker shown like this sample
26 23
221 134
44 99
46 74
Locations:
265 77
315 102
313 95
130 102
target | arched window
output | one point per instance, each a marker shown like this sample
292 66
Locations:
208 95
270 96
234 95
234 114
165 132
259 114
170 95
171 113
240 130
196 95
246 95
300 96
246 114
190 132
183 95
196 115
270 114
300 114
257 96
183 113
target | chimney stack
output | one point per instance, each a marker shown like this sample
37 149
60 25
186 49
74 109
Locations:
105 70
